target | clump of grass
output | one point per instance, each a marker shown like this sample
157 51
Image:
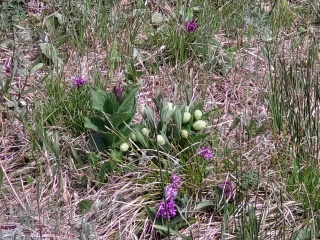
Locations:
65 104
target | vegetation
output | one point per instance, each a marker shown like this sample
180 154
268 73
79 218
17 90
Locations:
159 119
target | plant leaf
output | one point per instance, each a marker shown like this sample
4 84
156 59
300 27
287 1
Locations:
177 117
204 204
129 103
36 67
97 141
94 123
119 118
303 234
151 213
1 177
104 102
51 52
85 206
164 228
157 18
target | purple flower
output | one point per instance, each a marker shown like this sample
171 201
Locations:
175 180
191 26
205 152
171 191
172 212
117 91
226 188
170 194
79 81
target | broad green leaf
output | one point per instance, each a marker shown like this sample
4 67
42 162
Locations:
129 102
104 102
51 52
175 132
197 138
304 234
94 123
101 139
140 138
204 204
36 67
178 223
116 155
166 112
164 228
61 19
119 118
157 18
177 117
85 206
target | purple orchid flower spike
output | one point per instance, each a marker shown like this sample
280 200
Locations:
79 81
117 91
171 193
205 152
191 26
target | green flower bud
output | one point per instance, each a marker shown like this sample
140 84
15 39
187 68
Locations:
133 136
199 125
184 133
171 107
124 147
145 131
186 117
160 140
197 114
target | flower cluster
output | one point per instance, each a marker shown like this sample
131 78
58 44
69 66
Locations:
226 188
191 26
205 152
171 193
79 81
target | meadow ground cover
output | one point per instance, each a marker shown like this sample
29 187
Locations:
161 119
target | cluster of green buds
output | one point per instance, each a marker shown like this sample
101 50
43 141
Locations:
197 125
189 119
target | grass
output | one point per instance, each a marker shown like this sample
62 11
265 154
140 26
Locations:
252 66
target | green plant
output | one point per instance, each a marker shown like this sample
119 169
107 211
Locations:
251 225
65 104
111 128
174 124
167 218
11 12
